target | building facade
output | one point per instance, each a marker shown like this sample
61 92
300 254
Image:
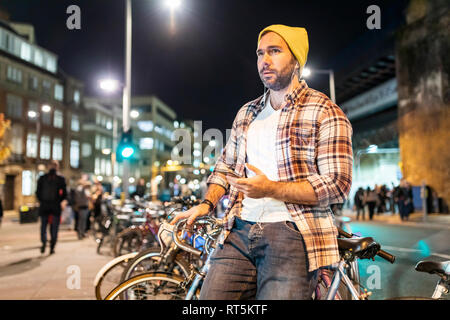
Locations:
44 106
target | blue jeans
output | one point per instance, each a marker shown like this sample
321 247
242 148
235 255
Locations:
263 264
54 226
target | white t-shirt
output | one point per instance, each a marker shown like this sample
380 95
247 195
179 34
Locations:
261 153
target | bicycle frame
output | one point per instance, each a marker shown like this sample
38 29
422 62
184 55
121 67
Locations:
199 276
338 276
442 287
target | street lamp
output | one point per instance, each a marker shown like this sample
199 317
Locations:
134 114
308 72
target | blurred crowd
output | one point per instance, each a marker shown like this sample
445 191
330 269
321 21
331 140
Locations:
381 199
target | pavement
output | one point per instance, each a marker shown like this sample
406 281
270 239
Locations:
26 274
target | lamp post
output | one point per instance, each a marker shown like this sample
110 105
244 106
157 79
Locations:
307 72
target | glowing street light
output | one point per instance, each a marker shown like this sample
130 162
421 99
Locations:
109 85
173 4
134 114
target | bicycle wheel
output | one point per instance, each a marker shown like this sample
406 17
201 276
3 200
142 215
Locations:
149 261
150 286
128 240
109 276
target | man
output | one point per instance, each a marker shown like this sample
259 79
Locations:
141 189
82 197
51 193
294 146
359 203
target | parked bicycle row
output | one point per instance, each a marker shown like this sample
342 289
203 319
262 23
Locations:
159 261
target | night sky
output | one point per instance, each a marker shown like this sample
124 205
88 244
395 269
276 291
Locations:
206 70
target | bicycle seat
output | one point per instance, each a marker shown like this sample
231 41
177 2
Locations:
434 267
363 248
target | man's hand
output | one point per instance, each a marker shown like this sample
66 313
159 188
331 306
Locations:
256 187
193 213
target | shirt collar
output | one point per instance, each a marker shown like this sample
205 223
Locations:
291 99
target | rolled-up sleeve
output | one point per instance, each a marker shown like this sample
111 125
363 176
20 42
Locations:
333 181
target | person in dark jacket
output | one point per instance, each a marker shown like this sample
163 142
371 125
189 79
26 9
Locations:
51 192
140 189
359 203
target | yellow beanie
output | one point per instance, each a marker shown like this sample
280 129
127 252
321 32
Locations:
296 38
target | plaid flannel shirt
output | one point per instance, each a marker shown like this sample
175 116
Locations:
313 143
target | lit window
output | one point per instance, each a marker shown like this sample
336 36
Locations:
76 97
27 183
51 64
25 51
38 57
74 154
97 166
58 119
97 142
75 123
59 92
57 149
45 147
31 145
145 126
146 143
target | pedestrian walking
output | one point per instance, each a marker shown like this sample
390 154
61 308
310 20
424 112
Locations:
405 200
81 201
141 189
97 197
359 203
370 198
292 147
51 193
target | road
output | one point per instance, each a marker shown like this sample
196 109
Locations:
410 245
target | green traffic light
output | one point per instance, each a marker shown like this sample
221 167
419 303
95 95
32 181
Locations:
127 152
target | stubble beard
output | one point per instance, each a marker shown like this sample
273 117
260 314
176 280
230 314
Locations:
283 78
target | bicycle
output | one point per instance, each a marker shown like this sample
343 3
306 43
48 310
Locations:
139 237
159 285
442 288
342 286
153 259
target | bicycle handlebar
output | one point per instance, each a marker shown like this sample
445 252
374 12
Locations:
180 243
202 220
381 253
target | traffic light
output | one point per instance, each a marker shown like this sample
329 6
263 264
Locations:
126 149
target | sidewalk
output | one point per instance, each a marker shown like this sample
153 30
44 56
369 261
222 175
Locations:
26 274
434 220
